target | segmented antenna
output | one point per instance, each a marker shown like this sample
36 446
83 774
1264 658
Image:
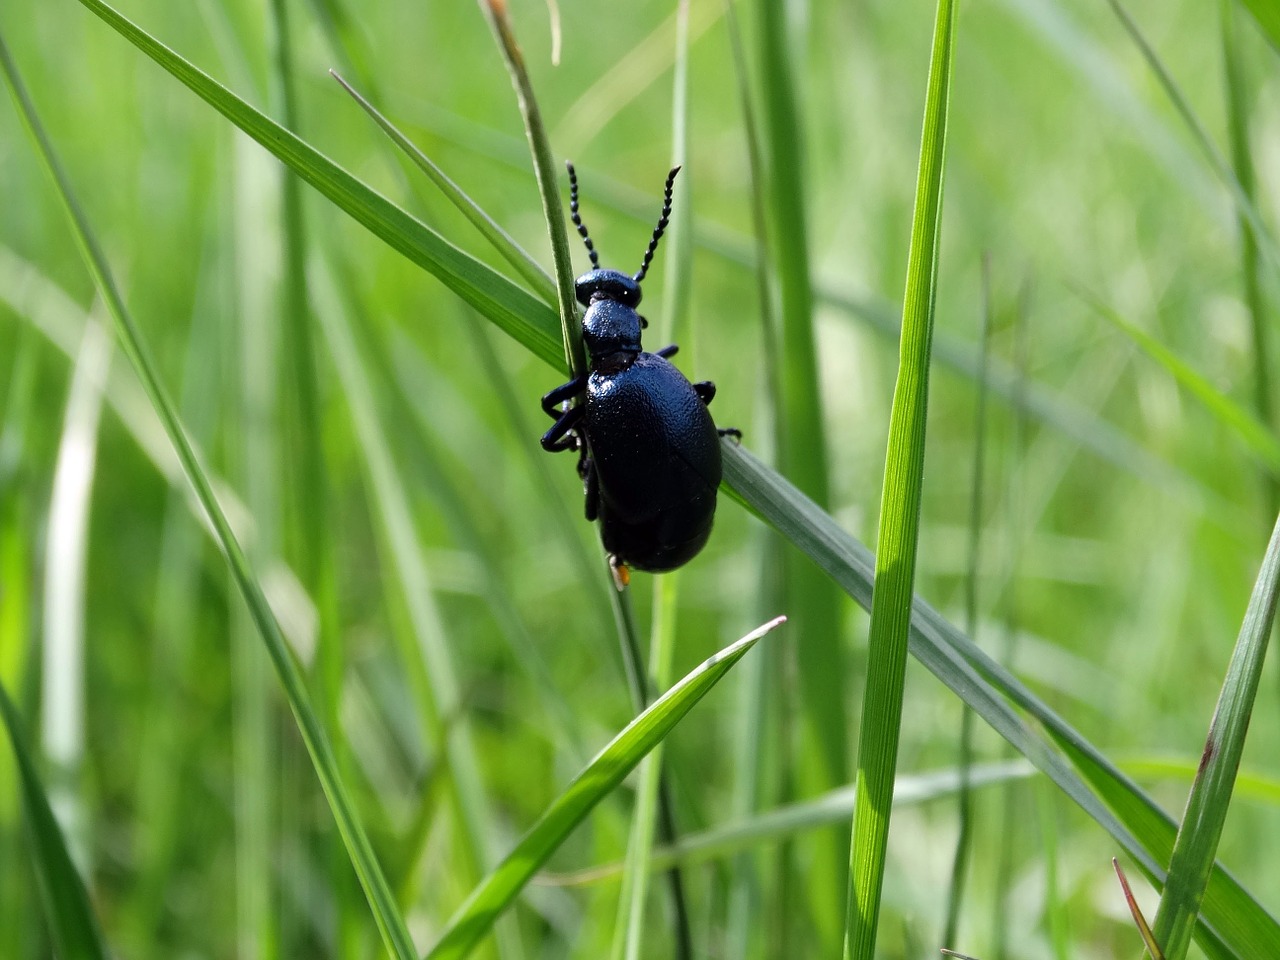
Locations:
662 225
577 220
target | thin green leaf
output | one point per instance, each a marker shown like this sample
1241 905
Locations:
899 518
1210 799
71 919
474 919
390 923
518 313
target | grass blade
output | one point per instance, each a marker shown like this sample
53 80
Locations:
390 923
1210 800
71 919
899 518
600 777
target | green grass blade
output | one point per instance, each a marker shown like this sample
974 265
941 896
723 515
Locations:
1210 800
899 518
517 312
71 919
390 923
601 776
1137 823
1261 442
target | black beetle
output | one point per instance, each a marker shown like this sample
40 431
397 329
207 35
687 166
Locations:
648 450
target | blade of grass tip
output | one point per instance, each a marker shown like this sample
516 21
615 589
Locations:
1210 800
521 315
490 229
72 923
1260 441
548 182
1135 911
964 804
609 768
1242 165
1129 815
899 518
390 923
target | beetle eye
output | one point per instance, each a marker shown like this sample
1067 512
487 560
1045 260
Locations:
644 324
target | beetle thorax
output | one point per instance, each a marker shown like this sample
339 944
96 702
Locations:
610 328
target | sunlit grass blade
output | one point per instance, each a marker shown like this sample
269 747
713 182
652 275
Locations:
1210 801
601 776
517 312
390 923
72 923
899 519
1137 823
1261 442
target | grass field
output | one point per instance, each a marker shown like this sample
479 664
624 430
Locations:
304 634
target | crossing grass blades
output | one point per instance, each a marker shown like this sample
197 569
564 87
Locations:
648 450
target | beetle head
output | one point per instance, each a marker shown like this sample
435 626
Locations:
607 285
610 326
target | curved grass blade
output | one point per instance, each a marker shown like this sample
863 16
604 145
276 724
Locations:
899 519
390 922
523 316
1210 799
1229 913
474 919
71 919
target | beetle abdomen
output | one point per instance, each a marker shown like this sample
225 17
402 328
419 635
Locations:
657 455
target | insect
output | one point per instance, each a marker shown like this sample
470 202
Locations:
648 450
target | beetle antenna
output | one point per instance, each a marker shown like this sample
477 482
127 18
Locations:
662 224
577 220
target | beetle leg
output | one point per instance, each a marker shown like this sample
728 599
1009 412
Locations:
732 432
668 352
591 487
706 390
565 391
554 440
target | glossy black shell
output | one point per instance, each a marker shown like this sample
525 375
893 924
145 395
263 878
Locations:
656 453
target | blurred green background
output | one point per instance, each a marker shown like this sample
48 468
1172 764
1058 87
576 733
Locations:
1122 520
